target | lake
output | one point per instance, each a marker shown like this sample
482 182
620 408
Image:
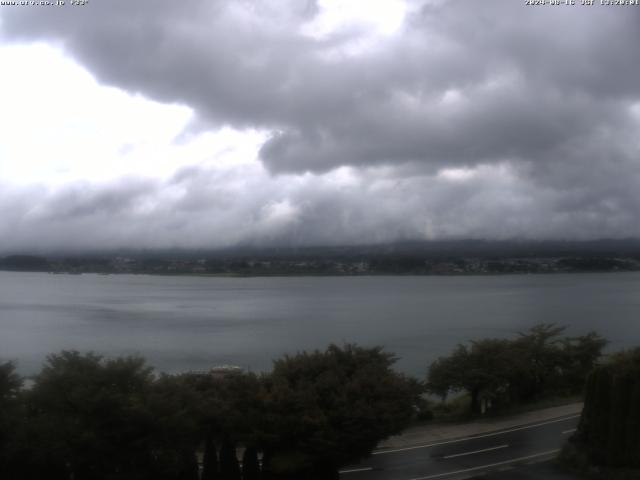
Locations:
192 323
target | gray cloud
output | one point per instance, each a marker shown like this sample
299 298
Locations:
529 79
211 207
543 93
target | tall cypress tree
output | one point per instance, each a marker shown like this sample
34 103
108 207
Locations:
189 467
266 473
250 466
609 429
229 467
210 461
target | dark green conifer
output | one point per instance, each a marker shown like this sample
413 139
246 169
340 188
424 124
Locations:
229 466
609 427
210 461
189 467
250 466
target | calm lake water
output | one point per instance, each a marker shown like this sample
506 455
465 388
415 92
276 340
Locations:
182 323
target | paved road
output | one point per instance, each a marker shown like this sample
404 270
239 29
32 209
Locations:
537 471
467 457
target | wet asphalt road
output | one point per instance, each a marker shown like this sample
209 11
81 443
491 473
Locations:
506 450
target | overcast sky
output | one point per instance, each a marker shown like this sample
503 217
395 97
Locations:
204 123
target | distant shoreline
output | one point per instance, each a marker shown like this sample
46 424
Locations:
327 275
330 264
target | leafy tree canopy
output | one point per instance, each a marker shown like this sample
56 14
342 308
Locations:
332 407
537 362
91 413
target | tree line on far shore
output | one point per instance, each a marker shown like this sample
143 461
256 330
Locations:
86 417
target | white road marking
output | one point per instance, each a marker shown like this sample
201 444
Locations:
465 439
571 430
476 451
482 467
354 470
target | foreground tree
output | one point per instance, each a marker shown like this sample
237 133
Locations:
609 431
91 418
210 460
538 362
326 409
10 420
580 356
483 370
538 359
250 464
87 417
229 466
189 466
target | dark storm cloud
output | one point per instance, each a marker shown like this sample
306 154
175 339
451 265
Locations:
522 82
548 95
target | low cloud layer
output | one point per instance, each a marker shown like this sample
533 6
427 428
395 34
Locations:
465 119
208 207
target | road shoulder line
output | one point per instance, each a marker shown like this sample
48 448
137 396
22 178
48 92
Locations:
355 470
491 465
490 449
